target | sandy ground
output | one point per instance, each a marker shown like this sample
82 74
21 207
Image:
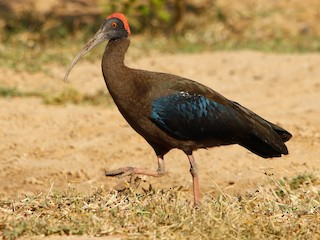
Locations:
50 148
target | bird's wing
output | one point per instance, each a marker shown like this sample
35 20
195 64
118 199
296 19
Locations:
191 116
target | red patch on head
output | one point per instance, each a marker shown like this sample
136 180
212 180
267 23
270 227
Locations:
122 18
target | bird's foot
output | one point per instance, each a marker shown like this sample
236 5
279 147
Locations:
121 172
133 182
132 172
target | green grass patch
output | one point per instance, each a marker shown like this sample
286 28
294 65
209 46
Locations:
67 96
38 57
30 41
9 92
71 95
35 58
301 180
168 214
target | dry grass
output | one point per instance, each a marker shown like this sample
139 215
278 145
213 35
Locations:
285 209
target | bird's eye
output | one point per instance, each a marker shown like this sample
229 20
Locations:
114 24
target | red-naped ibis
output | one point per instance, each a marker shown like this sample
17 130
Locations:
169 111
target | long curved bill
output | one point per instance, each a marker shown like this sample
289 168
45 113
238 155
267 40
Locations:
98 38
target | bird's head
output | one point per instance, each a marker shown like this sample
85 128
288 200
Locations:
115 26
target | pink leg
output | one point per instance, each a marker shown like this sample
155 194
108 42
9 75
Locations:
126 171
195 179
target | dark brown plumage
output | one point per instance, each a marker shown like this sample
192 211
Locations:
173 112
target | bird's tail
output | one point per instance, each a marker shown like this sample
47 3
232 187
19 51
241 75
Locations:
266 143
266 139
284 134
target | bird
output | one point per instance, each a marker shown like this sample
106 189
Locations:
173 112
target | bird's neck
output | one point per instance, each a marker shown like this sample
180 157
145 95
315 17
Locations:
114 53
113 67
120 80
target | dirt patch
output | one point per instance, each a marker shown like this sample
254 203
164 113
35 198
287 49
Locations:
45 147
